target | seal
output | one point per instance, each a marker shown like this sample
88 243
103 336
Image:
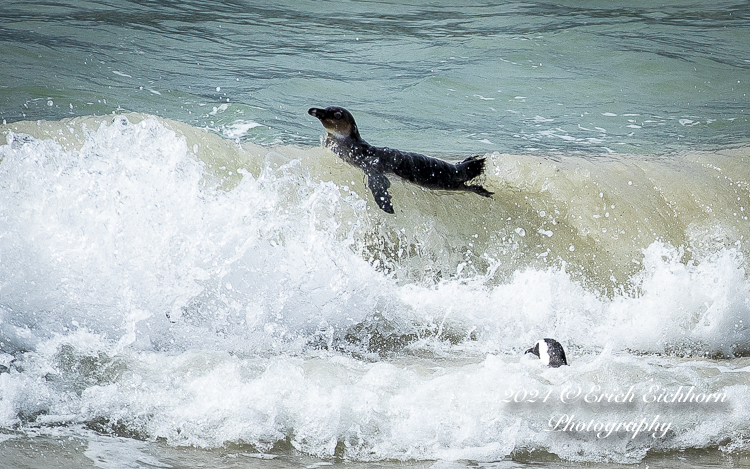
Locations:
550 352
344 140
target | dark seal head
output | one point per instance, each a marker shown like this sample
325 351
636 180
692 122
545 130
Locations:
550 352
338 122
343 139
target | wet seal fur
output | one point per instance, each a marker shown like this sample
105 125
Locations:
550 352
344 140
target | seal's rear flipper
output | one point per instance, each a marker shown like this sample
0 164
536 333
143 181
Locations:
470 168
379 184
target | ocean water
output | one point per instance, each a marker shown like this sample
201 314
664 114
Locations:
188 279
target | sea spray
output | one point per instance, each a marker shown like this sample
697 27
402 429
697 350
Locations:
165 284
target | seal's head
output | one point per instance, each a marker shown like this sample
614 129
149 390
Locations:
550 352
337 121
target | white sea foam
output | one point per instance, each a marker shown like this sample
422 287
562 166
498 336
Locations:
239 129
147 289
119 453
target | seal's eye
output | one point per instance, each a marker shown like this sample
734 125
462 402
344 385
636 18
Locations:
337 115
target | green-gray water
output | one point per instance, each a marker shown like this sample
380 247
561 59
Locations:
431 76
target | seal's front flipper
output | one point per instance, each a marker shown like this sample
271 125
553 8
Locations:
379 184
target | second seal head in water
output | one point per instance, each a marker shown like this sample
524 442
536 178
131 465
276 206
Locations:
550 352
344 140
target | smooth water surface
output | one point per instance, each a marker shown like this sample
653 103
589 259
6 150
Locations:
428 76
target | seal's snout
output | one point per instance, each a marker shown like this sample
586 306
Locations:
332 113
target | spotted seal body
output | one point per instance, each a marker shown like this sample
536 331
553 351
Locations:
550 352
344 140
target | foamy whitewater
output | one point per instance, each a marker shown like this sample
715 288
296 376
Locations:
161 283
